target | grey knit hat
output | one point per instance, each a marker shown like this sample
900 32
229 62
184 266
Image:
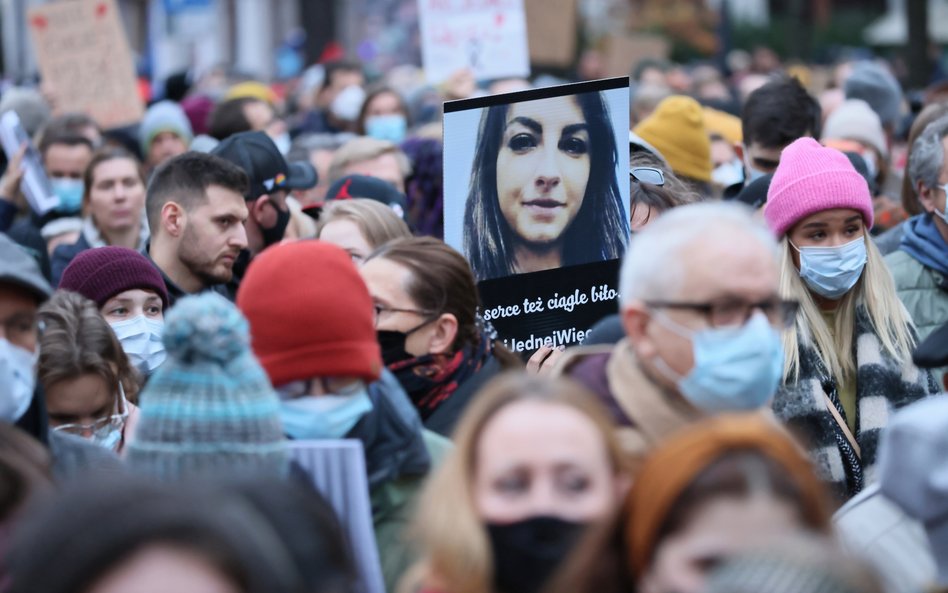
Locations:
210 408
164 116
855 120
913 470
876 86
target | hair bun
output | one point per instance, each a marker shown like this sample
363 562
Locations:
206 328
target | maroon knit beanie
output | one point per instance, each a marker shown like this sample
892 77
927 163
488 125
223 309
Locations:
103 272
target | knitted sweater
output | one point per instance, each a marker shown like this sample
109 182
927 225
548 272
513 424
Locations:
883 384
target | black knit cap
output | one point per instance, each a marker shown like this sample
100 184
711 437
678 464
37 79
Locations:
372 188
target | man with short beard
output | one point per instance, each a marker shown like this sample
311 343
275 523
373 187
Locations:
196 212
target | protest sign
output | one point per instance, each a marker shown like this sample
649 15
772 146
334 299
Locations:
551 31
536 197
35 184
488 37
85 60
623 52
336 469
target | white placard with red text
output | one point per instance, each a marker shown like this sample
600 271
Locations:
487 37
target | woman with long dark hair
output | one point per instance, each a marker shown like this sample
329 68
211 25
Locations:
543 190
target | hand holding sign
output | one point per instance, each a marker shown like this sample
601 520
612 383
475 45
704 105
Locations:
10 182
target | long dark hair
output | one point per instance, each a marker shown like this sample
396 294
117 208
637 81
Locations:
601 228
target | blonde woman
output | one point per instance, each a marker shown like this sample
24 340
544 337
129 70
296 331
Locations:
849 361
535 463
360 226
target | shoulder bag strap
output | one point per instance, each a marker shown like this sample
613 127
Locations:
842 424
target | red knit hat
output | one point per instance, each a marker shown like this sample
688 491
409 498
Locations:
310 314
103 272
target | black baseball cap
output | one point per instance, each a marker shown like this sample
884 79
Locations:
372 188
259 157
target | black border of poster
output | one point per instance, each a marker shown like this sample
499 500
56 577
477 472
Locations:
551 307
572 88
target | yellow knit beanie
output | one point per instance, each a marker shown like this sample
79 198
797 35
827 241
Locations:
253 90
676 129
723 124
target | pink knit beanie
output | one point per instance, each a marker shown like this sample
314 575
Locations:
810 179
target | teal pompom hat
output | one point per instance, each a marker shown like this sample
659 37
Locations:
210 408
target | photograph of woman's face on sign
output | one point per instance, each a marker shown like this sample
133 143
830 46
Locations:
543 188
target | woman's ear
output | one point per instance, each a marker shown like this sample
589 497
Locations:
445 331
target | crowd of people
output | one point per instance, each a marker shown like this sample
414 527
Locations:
255 274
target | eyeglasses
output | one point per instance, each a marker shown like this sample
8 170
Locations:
329 386
103 426
379 309
732 312
647 175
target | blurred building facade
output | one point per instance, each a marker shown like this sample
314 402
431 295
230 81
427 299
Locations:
169 36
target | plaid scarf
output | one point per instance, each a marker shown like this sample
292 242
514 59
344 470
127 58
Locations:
431 379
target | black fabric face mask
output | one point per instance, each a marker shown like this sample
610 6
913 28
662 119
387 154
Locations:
393 346
274 234
241 263
526 553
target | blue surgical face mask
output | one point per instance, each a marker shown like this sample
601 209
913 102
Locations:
832 271
109 439
943 214
348 102
728 174
735 368
17 380
324 416
141 340
387 127
69 191
751 173
283 143
105 432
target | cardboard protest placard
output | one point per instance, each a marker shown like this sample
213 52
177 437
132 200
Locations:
623 52
536 197
337 470
85 60
35 185
551 31
488 37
